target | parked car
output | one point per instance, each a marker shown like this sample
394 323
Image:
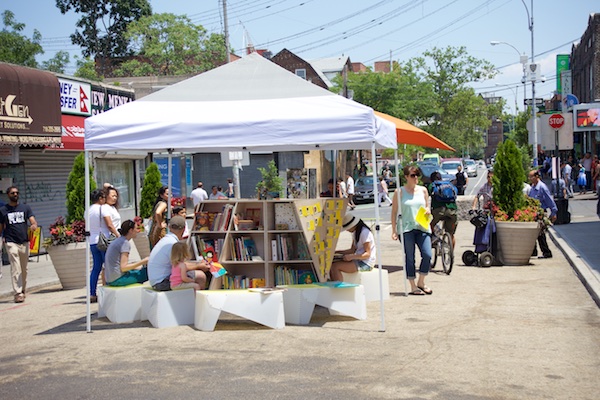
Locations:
433 157
428 168
451 166
363 190
471 167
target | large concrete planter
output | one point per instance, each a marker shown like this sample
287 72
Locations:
516 241
142 244
69 263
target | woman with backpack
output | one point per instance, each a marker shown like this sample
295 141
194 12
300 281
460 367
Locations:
443 204
461 180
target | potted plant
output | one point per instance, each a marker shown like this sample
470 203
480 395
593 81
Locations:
141 241
152 184
271 185
66 243
516 216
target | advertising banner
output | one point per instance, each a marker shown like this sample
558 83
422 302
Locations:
75 97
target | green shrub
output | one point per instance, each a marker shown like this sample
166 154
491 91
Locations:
75 191
150 189
508 178
271 182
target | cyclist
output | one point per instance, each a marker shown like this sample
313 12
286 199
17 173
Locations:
443 209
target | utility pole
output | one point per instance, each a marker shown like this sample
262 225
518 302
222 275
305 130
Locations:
226 28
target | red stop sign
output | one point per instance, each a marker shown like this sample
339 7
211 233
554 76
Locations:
556 121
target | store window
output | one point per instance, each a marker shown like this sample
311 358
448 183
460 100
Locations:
301 72
119 174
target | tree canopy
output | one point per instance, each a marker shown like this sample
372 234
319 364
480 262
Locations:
16 48
168 44
432 92
103 23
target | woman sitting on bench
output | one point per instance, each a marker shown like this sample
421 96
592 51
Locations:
118 270
362 255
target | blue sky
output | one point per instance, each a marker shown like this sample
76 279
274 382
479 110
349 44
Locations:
369 30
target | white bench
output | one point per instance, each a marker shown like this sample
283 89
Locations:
262 308
121 304
299 301
370 281
166 309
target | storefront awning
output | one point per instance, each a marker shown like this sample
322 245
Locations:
29 106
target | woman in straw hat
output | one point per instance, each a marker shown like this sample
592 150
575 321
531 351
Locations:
362 255
411 197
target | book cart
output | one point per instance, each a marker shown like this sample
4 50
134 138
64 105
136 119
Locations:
265 243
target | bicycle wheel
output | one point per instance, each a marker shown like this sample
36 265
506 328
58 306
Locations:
447 253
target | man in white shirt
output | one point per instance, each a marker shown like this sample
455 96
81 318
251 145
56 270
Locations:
350 191
198 194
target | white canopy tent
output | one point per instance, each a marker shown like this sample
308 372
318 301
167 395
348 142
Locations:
250 104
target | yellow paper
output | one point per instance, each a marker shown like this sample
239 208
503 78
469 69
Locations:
317 237
330 232
311 225
319 221
422 218
318 207
329 243
305 211
340 204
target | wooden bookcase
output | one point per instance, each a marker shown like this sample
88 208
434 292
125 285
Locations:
262 240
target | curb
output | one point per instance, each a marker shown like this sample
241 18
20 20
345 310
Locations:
589 279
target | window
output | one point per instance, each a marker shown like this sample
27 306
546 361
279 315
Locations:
301 72
118 173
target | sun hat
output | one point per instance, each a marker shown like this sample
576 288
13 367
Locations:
177 222
350 221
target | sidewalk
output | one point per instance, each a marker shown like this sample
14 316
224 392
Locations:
526 332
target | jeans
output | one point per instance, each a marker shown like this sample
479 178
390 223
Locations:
98 257
423 241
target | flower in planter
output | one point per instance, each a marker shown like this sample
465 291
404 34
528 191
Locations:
531 212
139 224
177 201
63 233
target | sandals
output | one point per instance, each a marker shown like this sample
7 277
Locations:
19 298
417 292
425 289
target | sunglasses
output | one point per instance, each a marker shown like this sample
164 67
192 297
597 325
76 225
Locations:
414 175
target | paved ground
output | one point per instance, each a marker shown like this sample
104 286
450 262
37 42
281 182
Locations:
528 332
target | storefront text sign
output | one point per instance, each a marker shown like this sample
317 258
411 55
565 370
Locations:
75 97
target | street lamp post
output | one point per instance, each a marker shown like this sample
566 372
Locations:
522 59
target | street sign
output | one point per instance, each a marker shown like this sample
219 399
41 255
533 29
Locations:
538 102
556 121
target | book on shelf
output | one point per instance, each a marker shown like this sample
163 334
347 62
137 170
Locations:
291 276
201 221
285 214
274 250
217 270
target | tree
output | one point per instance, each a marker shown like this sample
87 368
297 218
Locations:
168 44
152 184
57 63
86 68
508 179
16 48
271 184
103 24
75 191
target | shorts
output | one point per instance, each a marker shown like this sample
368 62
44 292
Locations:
361 265
184 285
448 215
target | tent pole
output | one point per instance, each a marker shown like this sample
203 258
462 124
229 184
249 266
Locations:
377 237
393 216
169 183
88 317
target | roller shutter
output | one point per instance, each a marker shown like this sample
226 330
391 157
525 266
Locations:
46 176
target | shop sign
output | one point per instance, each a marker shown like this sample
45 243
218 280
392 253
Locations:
104 99
75 97
29 104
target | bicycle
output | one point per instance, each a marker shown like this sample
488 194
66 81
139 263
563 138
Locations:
441 245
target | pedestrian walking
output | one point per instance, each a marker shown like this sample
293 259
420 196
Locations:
382 189
14 219
350 191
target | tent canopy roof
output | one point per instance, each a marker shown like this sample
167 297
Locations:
250 104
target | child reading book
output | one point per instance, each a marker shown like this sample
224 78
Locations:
181 276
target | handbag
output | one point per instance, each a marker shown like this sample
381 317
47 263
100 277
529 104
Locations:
103 241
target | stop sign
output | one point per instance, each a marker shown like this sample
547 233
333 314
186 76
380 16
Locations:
556 121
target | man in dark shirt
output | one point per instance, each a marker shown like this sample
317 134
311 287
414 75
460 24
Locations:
13 224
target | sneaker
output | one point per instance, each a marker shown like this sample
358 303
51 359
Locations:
93 299
19 298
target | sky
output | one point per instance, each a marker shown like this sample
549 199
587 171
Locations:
369 30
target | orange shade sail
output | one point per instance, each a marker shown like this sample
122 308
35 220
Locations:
409 134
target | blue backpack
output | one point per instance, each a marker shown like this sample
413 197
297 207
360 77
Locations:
444 191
